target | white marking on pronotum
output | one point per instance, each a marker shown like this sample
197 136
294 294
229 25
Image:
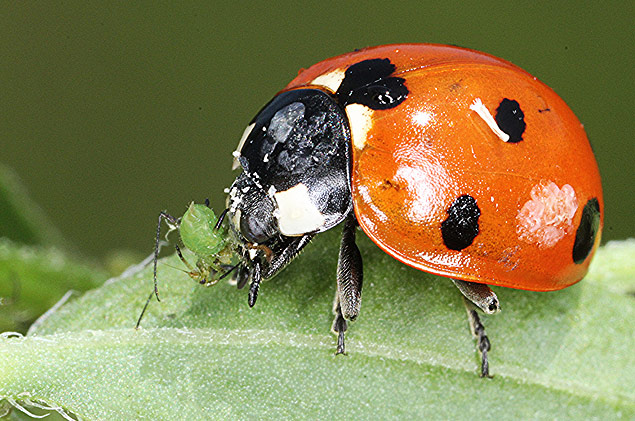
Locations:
331 80
236 153
484 113
271 192
297 213
548 216
360 118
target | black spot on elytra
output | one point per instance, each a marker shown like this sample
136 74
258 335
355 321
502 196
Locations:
461 226
369 83
511 120
587 231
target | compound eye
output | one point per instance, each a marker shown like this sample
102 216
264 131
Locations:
256 209
251 211
257 226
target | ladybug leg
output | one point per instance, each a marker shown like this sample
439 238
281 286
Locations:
242 276
482 296
339 325
256 277
478 331
285 252
265 268
479 294
349 282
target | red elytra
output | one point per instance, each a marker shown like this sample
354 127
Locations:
538 197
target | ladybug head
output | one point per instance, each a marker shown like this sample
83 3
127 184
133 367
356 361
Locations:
295 161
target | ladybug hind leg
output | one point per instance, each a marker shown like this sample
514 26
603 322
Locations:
481 296
349 282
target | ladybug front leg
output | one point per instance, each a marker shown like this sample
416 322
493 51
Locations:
480 295
263 267
256 277
348 297
284 252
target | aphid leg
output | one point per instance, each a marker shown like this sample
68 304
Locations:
228 271
482 296
348 297
195 274
185 262
145 307
172 223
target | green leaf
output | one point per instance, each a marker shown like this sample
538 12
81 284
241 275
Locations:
202 353
22 220
613 267
34 273
32 279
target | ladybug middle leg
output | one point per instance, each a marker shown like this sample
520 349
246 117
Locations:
348 297
481 296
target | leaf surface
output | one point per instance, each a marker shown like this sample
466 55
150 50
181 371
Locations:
34 278
203 353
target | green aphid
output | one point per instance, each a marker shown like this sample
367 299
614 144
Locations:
201 233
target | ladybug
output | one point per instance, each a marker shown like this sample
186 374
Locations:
452 161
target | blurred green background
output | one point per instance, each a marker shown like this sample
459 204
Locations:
111 112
